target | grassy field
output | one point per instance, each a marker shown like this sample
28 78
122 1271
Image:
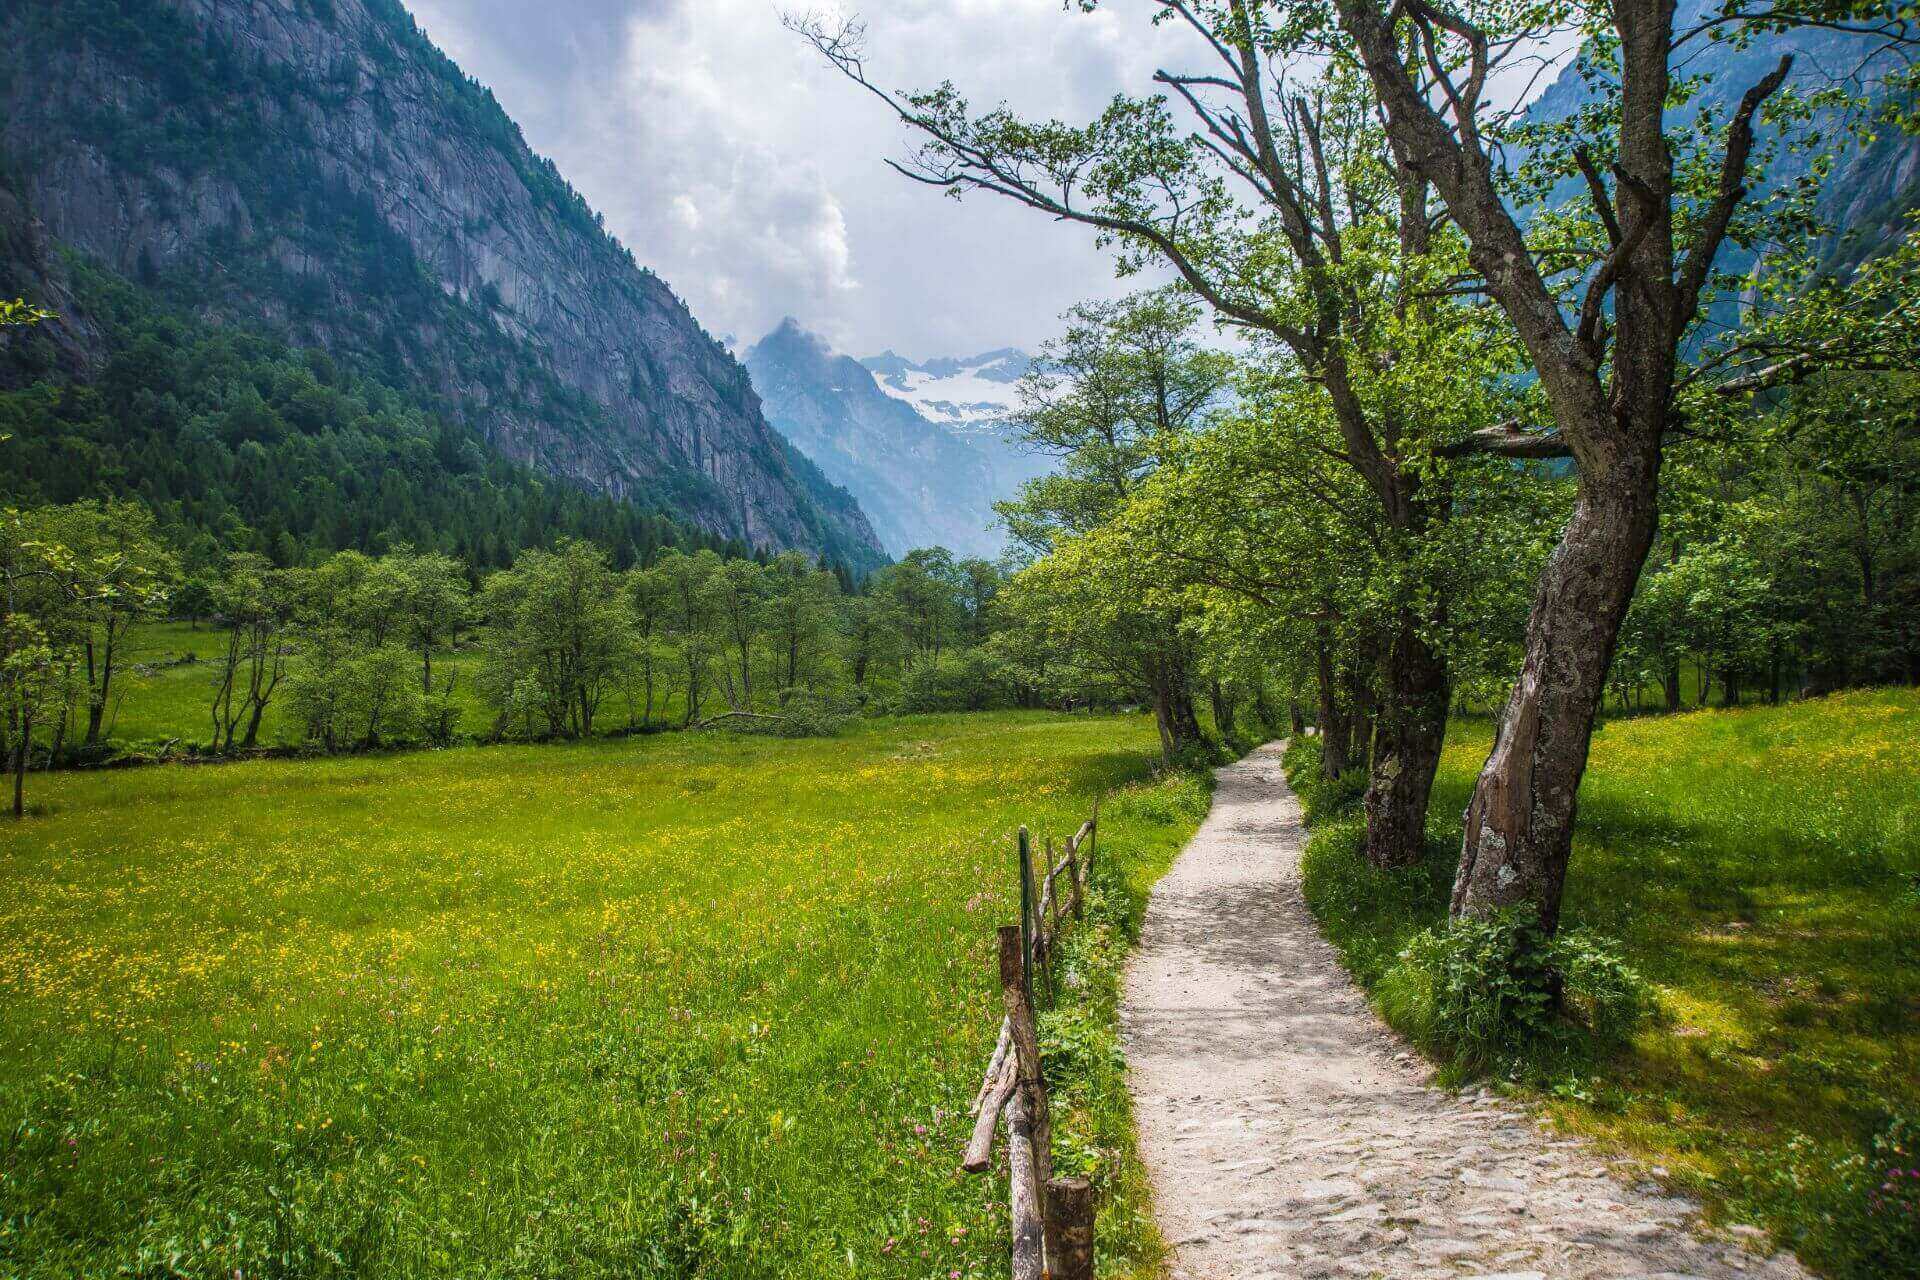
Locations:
683 1005
1762 868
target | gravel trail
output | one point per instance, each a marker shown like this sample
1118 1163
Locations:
1289 1134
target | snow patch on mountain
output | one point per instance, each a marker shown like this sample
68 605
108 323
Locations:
960 394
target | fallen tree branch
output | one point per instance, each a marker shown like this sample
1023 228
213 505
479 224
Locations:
725 716
979 1153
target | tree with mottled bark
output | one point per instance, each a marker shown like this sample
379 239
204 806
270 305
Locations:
1607 319
1276 204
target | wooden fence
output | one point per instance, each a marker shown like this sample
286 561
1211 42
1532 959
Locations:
1052 1217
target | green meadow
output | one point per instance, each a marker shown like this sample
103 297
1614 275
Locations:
1761 867
688 1004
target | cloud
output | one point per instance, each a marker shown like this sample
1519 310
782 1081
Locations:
753 179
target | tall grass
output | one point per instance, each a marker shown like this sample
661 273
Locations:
685 1005
1761 867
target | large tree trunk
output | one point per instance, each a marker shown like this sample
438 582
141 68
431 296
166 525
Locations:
1332 716
1222 709
1173 711
1411 730
1519 825
1609 382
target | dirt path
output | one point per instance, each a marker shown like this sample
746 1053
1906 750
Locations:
1290 1135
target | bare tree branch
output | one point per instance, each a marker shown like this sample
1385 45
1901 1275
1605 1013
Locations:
1509 440
1732 189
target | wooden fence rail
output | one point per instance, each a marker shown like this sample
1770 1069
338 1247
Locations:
1052 1217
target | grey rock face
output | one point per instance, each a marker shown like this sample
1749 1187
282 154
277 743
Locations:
925 483
321 169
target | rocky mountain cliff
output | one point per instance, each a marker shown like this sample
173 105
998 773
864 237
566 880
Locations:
922 447
317 168
1868 190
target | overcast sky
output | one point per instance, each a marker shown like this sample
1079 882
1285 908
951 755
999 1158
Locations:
752 178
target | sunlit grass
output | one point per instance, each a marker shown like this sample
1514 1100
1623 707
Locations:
691 1004
1762 868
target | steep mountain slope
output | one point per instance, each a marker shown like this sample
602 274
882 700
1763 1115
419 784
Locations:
318 169
925 480
1867 192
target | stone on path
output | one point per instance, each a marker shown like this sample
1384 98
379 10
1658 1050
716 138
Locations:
1290 1134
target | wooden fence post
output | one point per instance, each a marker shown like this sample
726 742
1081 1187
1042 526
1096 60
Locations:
1026 1048
1073 877
1029 1218
1027 914
1093 836
1053 1218
1069 1232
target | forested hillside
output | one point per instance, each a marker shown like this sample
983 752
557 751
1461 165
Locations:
320 173
238 442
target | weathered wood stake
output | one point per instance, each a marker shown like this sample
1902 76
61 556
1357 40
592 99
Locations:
1029 1222
1077 907
1026 1047
1069 1231
1093 836
1000 1048
1000 1090
1027 921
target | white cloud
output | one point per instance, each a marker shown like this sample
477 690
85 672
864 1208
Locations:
753 178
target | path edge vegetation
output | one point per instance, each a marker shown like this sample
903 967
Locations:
1846 1208
1094 1134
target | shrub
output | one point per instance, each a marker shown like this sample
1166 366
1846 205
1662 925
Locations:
1607 993
1492 991
1851 1213
1481 988
1320 797
1892 1227
965 682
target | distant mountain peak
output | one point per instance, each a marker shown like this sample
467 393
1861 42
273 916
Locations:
924 452
964 392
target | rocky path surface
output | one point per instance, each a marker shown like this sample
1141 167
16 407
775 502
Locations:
1289 1134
